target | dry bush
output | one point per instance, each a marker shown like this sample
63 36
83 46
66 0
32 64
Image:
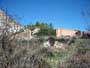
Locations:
12 55
81 59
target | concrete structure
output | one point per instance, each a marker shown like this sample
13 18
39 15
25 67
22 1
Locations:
36 30
2 19
65 33
7 20
14 27
26 35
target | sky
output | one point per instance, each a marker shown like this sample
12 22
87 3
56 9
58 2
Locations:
61 13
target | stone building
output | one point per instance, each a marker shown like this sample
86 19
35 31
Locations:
25 35
12 25
65 33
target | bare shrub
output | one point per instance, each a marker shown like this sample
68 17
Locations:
81 59
12 55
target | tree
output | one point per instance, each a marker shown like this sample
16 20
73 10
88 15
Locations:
45 29
86 16
37 24
51 30
12 55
